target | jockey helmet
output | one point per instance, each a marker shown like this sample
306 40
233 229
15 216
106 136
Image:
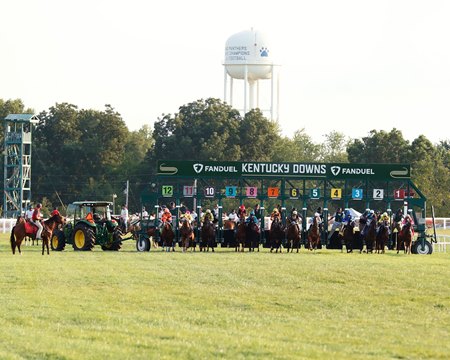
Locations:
208 211
166 210
275 210
187 212
252 213
39 205
55 212
294 212
372 212
242 207
384 214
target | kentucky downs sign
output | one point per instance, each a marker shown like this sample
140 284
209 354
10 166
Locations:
234 169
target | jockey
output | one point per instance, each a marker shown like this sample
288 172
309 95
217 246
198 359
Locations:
208 215
252 218
369 217
55 212
294 218
384 217
166 217
241 211
275 214
186 217
347 217
36 220
338 217
409 219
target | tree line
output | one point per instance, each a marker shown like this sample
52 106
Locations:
86 154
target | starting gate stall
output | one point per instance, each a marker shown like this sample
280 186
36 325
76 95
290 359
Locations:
304 186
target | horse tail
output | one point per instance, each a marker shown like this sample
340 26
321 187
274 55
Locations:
12 239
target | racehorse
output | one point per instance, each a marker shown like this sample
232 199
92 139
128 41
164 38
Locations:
348 236
252 236
293 236
167 236
23 228
371 235
382 237
276 235
314 234
187 235
405 238
229 232
241 235
208 236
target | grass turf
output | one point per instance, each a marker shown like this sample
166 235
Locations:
129 305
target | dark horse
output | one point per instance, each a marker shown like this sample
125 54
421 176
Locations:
276 235
382 237
370 235
167 236
293 236
22 229
241 234
187 235
208 236
350 238
252 235
405 238
314 234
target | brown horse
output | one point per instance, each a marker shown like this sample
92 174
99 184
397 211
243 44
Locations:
314 234
382 237
293 236
208 236
187 234
348 236
167 236
22 229
405 238
276 235
371 235
241 235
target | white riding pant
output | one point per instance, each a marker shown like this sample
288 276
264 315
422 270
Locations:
335 225
40 228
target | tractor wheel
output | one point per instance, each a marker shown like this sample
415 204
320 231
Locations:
117 244
83 237
58 241
427 248
143 244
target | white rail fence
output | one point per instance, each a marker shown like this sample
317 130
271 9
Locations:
442 242
6 225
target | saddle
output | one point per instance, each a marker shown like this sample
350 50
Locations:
30 228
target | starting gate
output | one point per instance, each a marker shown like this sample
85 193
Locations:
305 186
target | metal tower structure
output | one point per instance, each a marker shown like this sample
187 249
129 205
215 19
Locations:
17 163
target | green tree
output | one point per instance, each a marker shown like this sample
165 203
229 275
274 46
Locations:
334 148
379 147
202 130
257 137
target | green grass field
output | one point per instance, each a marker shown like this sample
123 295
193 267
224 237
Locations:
130 305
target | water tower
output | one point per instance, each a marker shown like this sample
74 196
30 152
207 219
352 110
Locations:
248 58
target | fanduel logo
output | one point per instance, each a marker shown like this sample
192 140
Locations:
335 170
198 168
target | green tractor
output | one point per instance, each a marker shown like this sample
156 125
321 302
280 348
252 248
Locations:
88 223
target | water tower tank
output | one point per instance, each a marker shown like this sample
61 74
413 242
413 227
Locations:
248 49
